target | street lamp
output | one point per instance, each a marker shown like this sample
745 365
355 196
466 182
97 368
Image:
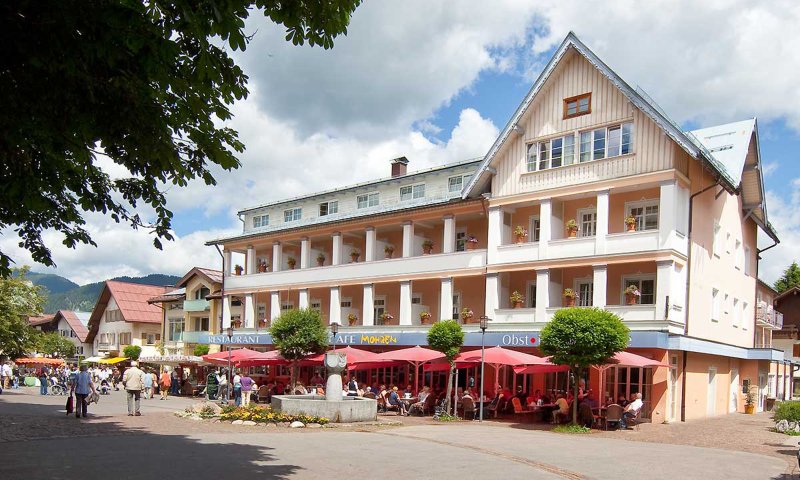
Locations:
484 325
229 331
334 331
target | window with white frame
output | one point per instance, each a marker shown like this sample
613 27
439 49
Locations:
584 290
151 338
645 212
410 192
292 214
379 308
646 284
746 260
287 306
456 306
717 241
456 183
315 304
328 208
620 140
551 153
715 305
260 221
461 240
534 228
346 302
367 200
261 311
125 338
587 222
202 324
416 299
737 313
175 329
531 158
79 350
531 300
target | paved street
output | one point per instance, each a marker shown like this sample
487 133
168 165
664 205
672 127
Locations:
39 441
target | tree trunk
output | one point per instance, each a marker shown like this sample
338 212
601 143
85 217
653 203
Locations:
293 379
576 375
449 386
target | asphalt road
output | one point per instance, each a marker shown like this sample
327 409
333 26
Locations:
37 440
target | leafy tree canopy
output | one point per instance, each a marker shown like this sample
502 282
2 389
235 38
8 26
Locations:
148 83
789 279
447 337
200 350
19 299
582 337
299 332
55 345
132 351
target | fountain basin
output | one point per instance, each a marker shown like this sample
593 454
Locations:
346 410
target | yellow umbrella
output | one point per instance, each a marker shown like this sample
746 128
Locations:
112 360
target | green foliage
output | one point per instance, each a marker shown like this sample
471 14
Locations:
19 299
447 337
55 345
571 428
200 350
446 417
132 351
789 279
148 84
299 332
581 337
260 414
789 411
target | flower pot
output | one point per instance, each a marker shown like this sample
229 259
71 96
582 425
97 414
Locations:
427 250
472 245
351 322
749 409
569 301
237 324
469 319
320 263
630 299
517 304
425 320
262 268
520 238
572 233
291 266
388 255
238 270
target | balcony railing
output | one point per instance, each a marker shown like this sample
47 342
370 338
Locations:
195 305
766 316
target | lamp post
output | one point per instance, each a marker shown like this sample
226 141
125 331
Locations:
229 331
334 331
484 324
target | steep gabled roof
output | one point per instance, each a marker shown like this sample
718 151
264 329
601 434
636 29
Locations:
40 320
75 323
210 275
636 96
170 296
131 298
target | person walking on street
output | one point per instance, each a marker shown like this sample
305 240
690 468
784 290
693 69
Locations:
147 381
6 372
132 380
164 384
43 381
237 389
247 386
82 387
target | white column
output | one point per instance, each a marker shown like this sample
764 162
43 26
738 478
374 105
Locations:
226 263
664 277
303 297
305 252
249 311
446 299
274 304
250 260
600 285
602 224
369 255
336 306
336 253
449 236
277 256
667 212
542 294
226 312
495 234
368 310
405 302
545 228
408 239
492 302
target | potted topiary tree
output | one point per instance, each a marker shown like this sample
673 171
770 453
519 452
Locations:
132 351
296 334
447 337
572 228
520 234
569 297
200 350
750 402
630 222
517 299
427 247
320 259
388 250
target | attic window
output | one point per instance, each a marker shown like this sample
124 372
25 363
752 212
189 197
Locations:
578 105
723 147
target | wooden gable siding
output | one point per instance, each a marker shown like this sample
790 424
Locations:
653 150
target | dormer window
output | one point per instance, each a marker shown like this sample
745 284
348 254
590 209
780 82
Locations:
412 192
260 221
328 208
578 105
292 215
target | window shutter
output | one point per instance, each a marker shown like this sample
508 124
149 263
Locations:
796 350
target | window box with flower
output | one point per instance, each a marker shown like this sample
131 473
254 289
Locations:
569 297
387 319
630 222
425 318
520 234
388 250
517 299
471 242
352 319
427 247
321 260
632 295
572 228
467 315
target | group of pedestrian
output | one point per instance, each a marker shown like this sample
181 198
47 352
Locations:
136 381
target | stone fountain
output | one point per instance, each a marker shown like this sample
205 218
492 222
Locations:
333 405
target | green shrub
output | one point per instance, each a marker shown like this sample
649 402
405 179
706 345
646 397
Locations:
200 350
571 428
789 411
446 417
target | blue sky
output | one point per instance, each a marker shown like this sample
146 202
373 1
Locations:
438 88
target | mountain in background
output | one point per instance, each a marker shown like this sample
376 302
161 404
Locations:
63 294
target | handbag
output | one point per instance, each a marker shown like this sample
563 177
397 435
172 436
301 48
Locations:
70 406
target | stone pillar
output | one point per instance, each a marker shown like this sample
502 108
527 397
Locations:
369 255
492 294
495 233
226 263
303 297
446 300
250 260
274 305
408 239
336 252
667 212
449 236
277 257
542 294
249 311
600 285
602 225
226 312
405 303
368 310
305 252
336 306
545 229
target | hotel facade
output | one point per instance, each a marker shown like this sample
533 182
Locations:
611 194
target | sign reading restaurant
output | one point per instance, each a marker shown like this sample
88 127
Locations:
471 339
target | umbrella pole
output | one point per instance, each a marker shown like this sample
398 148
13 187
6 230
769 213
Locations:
416 377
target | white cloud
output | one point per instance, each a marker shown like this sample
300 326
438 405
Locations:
784 214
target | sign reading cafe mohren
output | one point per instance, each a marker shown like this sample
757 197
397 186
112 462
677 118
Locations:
503 339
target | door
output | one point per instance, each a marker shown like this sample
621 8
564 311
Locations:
734 390
587 222
673 388
712 392
379 308
585 290
762 391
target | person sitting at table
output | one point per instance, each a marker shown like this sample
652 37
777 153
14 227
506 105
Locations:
631 411
418 406
622 402
562 412
409 391
582 391
537 395
394 400
521 394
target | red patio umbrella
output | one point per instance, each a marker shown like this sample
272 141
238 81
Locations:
354 356
263 358
629 359
493 356
415 356
221 358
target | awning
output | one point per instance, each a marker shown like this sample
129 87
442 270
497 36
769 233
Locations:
112 361
39 361
92 359
172 360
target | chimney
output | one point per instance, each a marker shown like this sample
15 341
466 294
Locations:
399 166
